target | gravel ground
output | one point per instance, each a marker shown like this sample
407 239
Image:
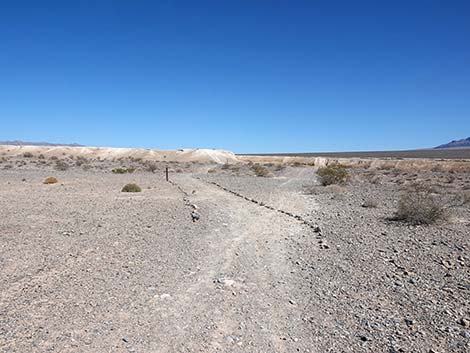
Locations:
87 268
378 285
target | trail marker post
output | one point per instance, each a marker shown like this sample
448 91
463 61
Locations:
166 173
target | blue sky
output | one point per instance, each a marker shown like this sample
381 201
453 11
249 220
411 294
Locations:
248 76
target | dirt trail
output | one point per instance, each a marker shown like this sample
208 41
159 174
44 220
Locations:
243 297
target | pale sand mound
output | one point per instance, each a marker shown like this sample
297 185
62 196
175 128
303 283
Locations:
182 155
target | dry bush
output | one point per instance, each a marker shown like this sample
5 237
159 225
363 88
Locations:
259 170
212 171
151 166
333 174
54 158
421 205
50 180
61 165
279 167
41 156
28 155
225 166
131 188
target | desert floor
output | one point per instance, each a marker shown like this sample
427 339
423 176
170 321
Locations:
88 268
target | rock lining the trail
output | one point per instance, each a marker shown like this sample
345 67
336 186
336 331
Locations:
313 226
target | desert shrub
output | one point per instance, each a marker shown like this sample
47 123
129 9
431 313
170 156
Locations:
259 170
131 188
41 156
119 170
420 205
86 167
61 165
279 167
212 170
123 170
28 155
50 180
332 174
225 166
54 158
151 166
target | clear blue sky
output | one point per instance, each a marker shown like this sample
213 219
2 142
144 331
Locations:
249 76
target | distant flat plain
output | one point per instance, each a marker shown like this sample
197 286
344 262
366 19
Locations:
457 153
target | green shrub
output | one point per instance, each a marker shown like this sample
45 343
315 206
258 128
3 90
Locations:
332 174
123 170
131 188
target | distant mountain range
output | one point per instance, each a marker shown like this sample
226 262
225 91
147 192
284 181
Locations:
463 143
25 143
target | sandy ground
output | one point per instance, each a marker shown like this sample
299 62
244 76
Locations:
87 268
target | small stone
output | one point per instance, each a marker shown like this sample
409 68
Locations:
464 322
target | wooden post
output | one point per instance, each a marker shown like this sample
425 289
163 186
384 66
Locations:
166 173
